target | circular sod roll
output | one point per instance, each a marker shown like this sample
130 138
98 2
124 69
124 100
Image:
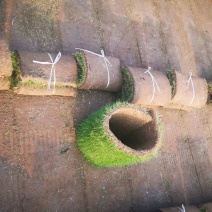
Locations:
94 75
138 87
187 92
120 134
5 66
177 209
34 77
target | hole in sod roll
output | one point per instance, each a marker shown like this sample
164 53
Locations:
134 129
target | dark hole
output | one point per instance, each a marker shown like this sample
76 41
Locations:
134 130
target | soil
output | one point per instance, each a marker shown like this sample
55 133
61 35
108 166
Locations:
40 166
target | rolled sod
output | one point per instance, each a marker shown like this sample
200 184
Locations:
5 66
138 87
34 77
120 134
93 74
183 94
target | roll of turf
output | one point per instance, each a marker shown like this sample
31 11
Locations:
93 73
138 87
34 77
5 66
187 93
120 134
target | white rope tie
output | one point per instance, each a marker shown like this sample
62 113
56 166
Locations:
190 80
182 209
105 60
154 84
52 72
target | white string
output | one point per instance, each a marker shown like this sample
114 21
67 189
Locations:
182 209
105 60
153 84
52 72
192 84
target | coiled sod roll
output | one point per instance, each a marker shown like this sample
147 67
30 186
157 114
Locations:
184 94
138 87
94 75
34 76
120 134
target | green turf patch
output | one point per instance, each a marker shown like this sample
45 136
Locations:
16 73
81 68
126 94
40 83
171 76
97 145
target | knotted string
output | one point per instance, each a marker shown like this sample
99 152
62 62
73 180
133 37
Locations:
190 80
105 60
182 209
153 84
52 72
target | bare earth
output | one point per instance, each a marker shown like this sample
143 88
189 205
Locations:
40 167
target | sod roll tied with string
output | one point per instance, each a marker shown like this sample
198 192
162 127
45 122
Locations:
5 66
40 77
187 91
98 72
120 134
145 87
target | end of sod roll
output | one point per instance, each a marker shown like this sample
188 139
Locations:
81 68
120 134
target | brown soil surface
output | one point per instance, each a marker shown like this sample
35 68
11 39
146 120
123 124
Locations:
40 166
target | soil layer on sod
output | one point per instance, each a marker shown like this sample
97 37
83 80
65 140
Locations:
120 134
93 73
5 66
34 76
138 87
184 95
5 60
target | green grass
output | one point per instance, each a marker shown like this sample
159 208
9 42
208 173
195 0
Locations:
126 94
40 83
16 73
81 68
209 93
97 146
171 76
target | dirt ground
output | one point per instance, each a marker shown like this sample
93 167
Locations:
40 167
